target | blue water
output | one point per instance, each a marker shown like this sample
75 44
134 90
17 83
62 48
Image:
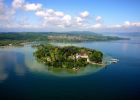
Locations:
22 78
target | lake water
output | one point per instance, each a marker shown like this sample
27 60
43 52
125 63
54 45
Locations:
23 78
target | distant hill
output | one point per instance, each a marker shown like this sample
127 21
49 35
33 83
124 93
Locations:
132 34
75 36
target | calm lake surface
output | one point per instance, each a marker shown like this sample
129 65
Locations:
23 78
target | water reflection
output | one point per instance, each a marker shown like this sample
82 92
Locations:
11 62
80 72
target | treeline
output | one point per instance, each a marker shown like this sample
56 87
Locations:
18 38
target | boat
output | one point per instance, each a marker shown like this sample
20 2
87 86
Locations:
114 60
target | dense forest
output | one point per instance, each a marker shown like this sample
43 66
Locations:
67 56
17 38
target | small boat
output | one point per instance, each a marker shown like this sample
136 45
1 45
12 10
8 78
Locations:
114 60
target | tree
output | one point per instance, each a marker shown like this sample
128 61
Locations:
96 56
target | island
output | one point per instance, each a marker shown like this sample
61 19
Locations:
67 56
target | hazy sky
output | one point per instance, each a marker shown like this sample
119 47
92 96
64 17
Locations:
70 15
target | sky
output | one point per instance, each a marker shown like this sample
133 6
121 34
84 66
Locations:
70 15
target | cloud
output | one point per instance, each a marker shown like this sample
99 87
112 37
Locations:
56 18
131 24
126 24
59 13
1 6
2 9
22 4
60 19
6 14
79 19
53 19
41 13
98 18
116 26
98 25
67 19
84 14
32 6
49 13
18 4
